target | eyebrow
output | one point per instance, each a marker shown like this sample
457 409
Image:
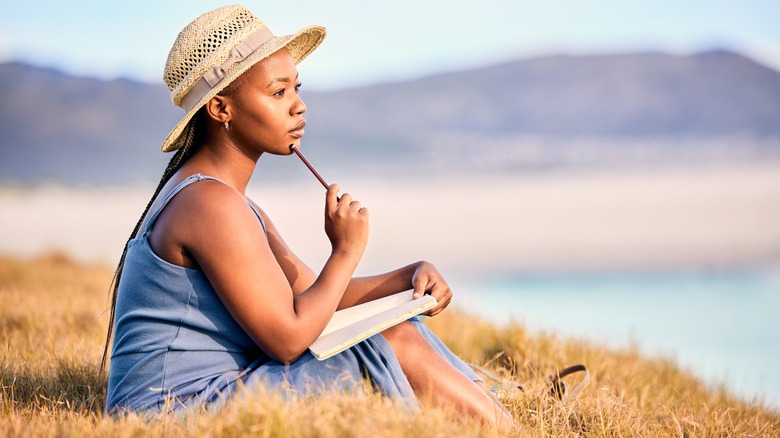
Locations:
282 79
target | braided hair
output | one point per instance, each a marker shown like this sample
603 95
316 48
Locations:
194 136
194 133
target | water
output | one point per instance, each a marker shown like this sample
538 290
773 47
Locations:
722 325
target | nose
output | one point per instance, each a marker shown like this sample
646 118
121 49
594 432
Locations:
297 107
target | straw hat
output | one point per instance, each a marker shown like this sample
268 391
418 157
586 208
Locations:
214 50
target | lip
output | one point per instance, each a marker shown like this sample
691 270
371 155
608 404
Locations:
297 131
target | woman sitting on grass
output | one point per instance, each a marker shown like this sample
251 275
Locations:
208 296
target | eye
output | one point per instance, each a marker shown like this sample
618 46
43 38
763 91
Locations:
297 87
280 92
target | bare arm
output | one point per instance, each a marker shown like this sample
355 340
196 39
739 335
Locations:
214 225
422 276
364 289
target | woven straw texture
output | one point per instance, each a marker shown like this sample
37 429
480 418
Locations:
207 42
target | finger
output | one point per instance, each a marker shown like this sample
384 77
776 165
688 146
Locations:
345 199
343 203
435 289
439 307
331 196
443 294
434 311
441 291
420 283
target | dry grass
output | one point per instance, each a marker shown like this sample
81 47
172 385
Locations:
51 329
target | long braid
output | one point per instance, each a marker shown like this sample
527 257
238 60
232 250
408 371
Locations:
193 136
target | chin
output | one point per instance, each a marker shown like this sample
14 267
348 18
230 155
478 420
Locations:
282 150
296 143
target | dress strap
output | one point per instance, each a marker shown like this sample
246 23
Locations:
187 181
257 213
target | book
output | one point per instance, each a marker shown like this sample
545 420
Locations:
349 326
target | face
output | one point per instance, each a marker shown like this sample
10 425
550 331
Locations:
266 113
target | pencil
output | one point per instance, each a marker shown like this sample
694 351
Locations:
306 162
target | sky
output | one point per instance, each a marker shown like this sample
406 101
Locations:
378 41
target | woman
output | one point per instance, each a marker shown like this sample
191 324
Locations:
207 294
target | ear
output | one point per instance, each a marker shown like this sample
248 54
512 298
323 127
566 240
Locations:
219 109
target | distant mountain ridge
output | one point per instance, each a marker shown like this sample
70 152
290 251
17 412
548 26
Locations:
557 110
635 94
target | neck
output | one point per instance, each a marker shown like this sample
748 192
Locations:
225 161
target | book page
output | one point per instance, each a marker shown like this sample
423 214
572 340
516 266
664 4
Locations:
351 315
364 323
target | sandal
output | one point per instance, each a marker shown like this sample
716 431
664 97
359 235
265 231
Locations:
557 388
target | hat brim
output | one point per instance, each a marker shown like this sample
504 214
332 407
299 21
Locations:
300 46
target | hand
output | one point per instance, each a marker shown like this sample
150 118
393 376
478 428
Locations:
346 222
427 279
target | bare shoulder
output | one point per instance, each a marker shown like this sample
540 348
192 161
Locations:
200 216
213 198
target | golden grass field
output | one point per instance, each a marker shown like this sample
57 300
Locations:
52 328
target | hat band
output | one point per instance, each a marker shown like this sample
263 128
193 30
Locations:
214 75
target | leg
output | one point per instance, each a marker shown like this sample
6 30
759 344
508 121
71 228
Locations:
434 379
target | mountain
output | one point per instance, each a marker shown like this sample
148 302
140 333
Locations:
651 94
57 127
533 113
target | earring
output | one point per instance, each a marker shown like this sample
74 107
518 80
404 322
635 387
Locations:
227 125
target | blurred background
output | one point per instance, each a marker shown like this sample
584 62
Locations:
605 170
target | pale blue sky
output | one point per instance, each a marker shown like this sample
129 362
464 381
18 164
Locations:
375 41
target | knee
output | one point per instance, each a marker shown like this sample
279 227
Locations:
400 333
406 341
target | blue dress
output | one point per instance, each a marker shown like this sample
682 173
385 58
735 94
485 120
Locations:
177 346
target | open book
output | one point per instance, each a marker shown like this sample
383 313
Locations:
352 325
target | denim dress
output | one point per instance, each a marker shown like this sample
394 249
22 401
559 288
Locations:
176 345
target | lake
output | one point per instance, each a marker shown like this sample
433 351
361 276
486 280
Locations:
721 324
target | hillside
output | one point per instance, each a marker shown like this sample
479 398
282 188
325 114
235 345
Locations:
528 114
